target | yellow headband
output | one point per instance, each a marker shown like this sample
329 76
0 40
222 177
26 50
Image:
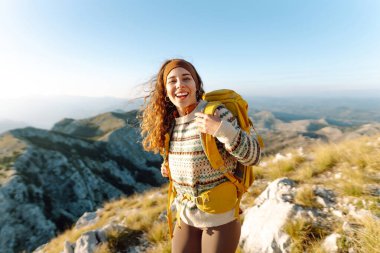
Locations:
176 63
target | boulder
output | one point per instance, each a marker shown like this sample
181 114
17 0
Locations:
262 227
262 230
330 243
87 219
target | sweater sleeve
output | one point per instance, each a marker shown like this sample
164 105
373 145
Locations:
243 146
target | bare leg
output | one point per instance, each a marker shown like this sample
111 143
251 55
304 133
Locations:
221 239
186 239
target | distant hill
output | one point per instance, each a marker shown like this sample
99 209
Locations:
44 111
343 111
279 133
6 124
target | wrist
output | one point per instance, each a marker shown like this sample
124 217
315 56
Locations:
226 132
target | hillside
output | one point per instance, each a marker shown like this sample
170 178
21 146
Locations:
59 174
49 178
279 133
334 196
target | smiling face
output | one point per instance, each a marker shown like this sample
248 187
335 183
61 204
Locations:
181 89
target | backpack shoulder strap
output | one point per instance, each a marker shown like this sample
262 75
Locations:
171 191
208 141
211 150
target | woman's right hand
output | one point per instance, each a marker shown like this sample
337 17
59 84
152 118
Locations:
164 170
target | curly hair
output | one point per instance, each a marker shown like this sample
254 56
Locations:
158 112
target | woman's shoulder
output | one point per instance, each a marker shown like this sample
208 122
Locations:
220 108
224 113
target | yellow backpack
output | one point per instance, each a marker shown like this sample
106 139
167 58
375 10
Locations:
227 194
239 108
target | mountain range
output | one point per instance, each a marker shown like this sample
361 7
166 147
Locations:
44 111
49 178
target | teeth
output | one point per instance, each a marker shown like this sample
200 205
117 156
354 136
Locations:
182 94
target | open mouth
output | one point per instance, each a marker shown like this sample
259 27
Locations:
182 95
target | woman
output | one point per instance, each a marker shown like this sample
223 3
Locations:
175 105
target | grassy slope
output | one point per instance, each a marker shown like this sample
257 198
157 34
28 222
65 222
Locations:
350 168
10 149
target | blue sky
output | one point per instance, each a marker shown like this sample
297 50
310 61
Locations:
106 48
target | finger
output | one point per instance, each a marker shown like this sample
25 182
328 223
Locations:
199 121
202 129
201 115
200 124
164 173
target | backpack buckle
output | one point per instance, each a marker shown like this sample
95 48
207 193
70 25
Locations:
223 169
202 199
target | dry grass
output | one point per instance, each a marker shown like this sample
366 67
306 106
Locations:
367 237
137 212
305 196
142 219
10 145
354 182
119 240
122 240
162 247
303 234
303 174
326 157
259 172
317 247
298 230
158 233
282 168
356 161
359 153
374 205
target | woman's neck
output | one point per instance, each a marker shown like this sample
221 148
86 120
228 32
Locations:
187 110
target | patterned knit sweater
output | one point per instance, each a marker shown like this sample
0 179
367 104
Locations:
190 169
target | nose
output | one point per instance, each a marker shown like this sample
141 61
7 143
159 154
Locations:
179 84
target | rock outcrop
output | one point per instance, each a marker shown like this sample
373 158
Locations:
90 241
264 228
56 176
261 230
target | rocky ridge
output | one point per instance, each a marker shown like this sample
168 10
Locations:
50 178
